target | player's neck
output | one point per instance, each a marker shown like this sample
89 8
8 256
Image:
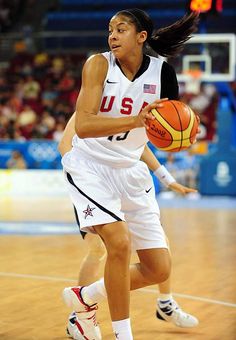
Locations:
130 67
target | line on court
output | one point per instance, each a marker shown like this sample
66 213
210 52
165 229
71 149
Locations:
191 297
36 277
145 290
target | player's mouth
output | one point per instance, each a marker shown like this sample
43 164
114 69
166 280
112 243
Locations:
114 47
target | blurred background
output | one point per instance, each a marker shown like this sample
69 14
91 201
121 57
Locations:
43 45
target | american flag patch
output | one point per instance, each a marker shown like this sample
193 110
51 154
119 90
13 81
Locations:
147 88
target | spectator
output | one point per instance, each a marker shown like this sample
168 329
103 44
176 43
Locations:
205 104
31 89
188 167
16 161
57 134
26 121
5 20
47 125
183 170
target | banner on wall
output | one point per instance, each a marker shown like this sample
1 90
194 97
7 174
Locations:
37 154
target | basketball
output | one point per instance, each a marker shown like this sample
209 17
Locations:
174 127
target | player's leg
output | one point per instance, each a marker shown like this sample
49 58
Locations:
169 310
117 280
85 193
167 307
91 263
96 252
116 237
88 273
154 267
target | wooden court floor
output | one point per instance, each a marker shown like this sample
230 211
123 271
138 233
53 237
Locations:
34 268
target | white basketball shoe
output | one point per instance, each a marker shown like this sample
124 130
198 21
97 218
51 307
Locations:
82 324
171 312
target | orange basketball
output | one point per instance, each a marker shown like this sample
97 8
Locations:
174 127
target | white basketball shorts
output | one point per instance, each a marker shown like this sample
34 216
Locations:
102 194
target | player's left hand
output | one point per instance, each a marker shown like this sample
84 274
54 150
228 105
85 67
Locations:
181 189
198 128
199 121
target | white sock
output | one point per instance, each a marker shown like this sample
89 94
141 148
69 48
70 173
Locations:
165 297
94 293
122 329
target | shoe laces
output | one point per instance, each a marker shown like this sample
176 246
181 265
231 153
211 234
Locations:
90 308
87 308
92 318
179 313
170 307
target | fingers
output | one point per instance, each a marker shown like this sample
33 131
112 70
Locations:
181 189
198 129
156 103
188 190
198 118
146 112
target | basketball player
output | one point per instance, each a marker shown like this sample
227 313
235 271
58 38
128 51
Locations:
89 269
111 189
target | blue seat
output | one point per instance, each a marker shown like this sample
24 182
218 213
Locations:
71 21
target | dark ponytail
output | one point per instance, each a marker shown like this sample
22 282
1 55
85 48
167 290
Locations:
169 41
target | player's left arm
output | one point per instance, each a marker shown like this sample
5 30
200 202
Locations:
162 173
65 144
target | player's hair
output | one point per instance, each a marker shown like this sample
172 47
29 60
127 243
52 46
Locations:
167 41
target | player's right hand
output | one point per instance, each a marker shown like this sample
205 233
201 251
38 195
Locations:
145 114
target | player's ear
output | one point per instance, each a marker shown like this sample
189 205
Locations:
142 36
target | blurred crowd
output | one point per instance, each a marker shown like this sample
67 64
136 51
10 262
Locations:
9 13
204 102
38 95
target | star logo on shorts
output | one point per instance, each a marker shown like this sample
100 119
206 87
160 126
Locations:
88 211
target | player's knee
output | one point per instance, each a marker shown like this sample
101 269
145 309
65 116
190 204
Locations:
159 273
163 275
120 247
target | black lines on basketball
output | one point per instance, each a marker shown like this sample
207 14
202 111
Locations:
181 126
174 127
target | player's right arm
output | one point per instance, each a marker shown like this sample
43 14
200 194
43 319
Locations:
90 125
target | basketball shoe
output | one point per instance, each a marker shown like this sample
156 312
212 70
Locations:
171 312
82 324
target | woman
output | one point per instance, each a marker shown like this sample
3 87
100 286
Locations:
110 187
91 263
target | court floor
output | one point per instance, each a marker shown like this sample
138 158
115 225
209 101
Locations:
41 251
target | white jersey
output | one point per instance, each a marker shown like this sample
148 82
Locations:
122 98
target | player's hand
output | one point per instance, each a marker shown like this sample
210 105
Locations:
199 121
145 114
198 128
181 189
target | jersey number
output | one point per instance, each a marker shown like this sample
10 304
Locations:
120 137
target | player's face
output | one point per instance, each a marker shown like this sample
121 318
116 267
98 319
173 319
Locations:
123 38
